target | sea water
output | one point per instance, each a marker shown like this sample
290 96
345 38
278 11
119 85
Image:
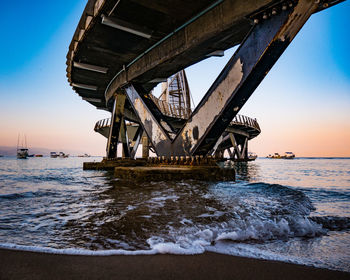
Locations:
290 210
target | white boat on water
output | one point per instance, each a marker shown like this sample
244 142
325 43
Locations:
84 155
252 156
60 155
275 155
53 155
63 155
22 152
288 155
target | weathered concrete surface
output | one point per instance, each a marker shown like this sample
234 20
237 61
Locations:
156 169
182 33
230 91
111 164
98 45
175 173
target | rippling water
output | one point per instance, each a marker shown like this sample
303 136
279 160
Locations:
291 210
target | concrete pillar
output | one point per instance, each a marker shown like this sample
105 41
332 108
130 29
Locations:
116 121
145 149
246 149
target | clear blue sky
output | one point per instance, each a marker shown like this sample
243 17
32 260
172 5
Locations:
307 89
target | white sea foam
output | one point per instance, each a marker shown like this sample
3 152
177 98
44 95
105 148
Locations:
74 251
173 248
197 242
243 250
250 251
197 247
164 198
272 229
185 221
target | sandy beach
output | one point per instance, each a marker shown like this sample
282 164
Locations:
32 265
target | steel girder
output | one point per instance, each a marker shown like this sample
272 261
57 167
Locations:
117 119
242 74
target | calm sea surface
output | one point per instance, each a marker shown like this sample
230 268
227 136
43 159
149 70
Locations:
290 210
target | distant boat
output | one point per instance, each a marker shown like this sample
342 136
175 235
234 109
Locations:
63 155
84 155
38 155
1 155
22 152
275 155
53 155
252 156
288 155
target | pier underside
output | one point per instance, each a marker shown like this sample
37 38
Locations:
123 49
117 42
204 130
234 140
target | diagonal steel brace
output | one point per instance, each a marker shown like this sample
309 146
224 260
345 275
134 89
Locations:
235 84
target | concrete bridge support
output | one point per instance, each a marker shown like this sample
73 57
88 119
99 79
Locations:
117 119
118 131
145 148
240 148
267 40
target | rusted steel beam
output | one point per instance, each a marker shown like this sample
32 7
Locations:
230 154
137 139
235 146
116 119
124 139
145 148
156 127
240 77
242 74
244 151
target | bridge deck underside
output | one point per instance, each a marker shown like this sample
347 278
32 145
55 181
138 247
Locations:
95 43
155 40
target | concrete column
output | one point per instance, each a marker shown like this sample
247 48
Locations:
145 149
116 121
246 149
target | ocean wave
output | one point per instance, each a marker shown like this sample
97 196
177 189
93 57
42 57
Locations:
194 240
260 231
264 200
328 194
332 223
29 194
282 191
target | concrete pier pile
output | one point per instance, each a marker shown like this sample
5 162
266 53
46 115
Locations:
165 169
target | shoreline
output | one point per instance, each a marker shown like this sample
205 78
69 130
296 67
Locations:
15 264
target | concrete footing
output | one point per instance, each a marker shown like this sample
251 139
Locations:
143 170
170 173
106 164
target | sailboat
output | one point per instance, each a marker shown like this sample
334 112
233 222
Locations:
22 152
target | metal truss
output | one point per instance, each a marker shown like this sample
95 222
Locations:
272 32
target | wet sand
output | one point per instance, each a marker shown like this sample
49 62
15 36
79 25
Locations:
31 265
